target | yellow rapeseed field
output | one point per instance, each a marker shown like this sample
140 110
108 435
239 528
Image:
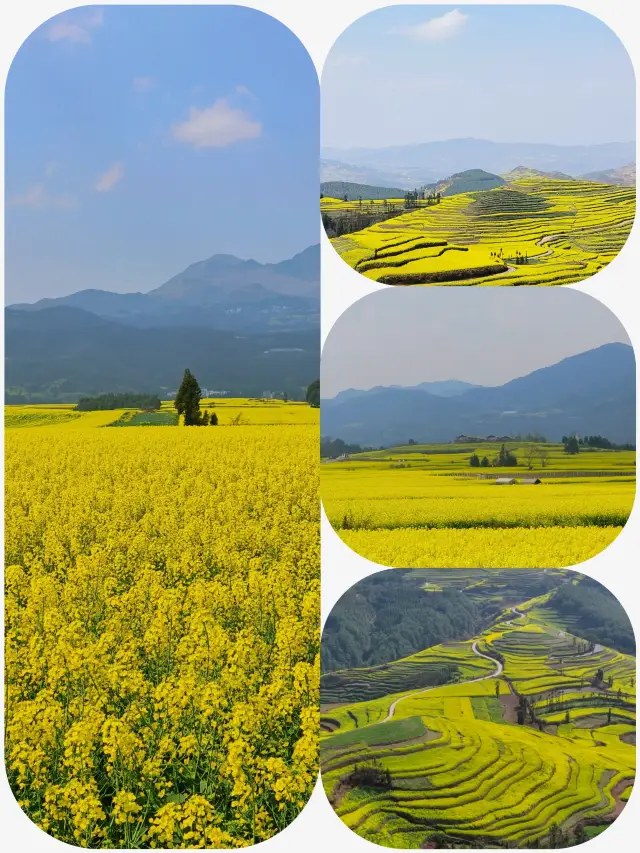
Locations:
162 630
567 230
414 510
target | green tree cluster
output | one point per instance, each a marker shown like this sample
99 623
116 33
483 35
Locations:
505 459
571 444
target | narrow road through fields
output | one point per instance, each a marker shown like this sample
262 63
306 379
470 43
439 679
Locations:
516 613
476 651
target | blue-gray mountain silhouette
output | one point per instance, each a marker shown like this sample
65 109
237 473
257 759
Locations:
589 393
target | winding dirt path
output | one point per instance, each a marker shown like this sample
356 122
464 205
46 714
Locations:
476 651
517 614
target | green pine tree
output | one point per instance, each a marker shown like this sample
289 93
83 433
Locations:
187 400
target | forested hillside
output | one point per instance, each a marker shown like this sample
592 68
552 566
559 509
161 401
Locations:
597 614
389 616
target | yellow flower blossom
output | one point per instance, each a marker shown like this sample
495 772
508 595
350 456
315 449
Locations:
162 631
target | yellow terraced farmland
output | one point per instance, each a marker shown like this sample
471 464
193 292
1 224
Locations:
532 231
534 745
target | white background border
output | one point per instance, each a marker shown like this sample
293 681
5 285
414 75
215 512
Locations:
318 23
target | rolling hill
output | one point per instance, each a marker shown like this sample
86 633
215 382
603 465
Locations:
589 393
526 172
338 189
471 180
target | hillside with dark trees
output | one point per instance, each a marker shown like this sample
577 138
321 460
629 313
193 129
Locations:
389 616
598 615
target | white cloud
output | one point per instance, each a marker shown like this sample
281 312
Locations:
437 29
143 84
110 178
243 90
37 198
76 29
51 168
216 126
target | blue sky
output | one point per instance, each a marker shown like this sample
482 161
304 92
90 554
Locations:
530 73
142 139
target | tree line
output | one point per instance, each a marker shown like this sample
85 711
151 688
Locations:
574 444
103 402
330 448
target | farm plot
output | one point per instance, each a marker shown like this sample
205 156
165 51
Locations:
532 231
134 419
162 609
497 765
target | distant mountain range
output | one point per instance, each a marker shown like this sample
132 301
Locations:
625 176
414 165
222 292
238 325
333 171
445 388
589 393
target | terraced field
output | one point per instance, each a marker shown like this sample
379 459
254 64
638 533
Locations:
532 231
442 664
529 748
422 506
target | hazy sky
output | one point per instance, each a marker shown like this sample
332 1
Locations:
140 139
533 73
484 335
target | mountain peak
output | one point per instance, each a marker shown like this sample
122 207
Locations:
222 291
